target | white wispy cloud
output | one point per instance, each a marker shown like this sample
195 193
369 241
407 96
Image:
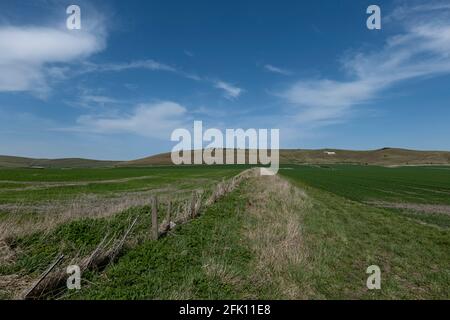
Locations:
153 120
188 53
421 49
151 65
95 101
271 68
30 57
231 91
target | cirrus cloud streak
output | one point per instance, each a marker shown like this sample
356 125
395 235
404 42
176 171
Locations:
421 50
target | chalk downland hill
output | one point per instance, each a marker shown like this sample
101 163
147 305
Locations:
385 157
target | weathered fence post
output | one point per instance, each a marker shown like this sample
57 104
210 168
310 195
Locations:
155 231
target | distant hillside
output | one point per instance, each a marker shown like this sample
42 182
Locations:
20 162
385 156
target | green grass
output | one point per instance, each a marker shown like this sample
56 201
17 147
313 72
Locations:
345 237
76 240
37 251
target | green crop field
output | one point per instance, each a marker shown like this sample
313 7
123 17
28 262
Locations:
419 192
37 185
365 183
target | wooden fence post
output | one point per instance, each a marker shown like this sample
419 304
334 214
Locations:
155 231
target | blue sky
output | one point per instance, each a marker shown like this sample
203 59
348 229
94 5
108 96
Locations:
137 70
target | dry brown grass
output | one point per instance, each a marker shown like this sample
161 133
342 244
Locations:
7 255
275 233
13 285
216 269
46 216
